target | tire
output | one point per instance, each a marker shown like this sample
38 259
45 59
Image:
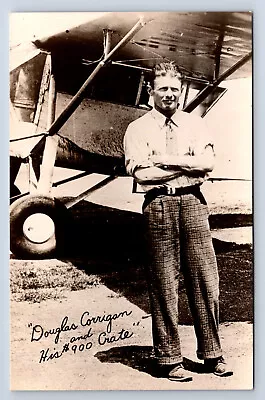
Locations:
37 227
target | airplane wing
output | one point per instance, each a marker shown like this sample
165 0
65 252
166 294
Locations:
203 44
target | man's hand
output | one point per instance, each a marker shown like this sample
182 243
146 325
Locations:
160 160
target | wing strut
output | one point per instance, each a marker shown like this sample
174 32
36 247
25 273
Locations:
211 86
44 184
85 194
50 150
77 99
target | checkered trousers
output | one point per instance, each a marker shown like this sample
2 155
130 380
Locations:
179 237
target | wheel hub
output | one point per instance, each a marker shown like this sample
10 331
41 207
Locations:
38 228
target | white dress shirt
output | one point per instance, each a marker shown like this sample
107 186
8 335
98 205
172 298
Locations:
150 135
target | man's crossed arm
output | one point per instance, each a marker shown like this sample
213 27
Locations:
167 167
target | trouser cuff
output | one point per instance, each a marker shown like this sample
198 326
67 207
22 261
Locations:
168 360
209 354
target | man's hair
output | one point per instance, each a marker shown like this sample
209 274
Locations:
163 69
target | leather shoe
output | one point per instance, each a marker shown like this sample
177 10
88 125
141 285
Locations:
179 374
218 366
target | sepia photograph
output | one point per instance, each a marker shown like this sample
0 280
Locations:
131 207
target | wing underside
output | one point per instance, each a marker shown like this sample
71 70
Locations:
204 44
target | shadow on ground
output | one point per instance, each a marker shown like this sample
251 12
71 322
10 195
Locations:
142 359
110 243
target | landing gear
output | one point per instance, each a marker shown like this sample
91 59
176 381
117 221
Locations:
37 227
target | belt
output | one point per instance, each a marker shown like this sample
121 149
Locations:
169 191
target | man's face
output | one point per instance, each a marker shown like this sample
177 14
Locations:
166 93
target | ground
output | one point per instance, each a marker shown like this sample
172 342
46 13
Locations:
125 364
102 273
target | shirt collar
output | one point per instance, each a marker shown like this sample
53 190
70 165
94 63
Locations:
161 119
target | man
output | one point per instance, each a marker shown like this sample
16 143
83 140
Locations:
169 153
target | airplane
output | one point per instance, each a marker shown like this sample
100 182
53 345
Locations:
96 65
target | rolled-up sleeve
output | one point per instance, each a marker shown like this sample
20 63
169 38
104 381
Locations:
136 149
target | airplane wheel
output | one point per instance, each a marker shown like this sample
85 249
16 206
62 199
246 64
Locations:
36 226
